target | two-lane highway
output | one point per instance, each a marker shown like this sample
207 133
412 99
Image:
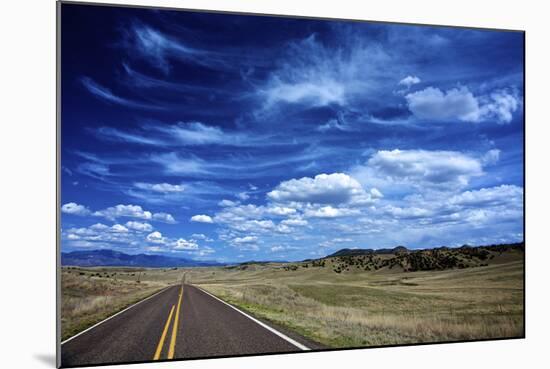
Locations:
177 323
212 328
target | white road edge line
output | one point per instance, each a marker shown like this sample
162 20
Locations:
112 316
272 330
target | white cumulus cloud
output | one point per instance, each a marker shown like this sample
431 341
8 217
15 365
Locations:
139 226
420 168
99 227
201 218
182 244
409 81
164 217
246 239
375 193
133 211
406 213
156 237
201 236
330 212
336 188
501 106
130 211
243 196
160 187
434 104
119 228
75 209
281 210
460 104
295 222
491 157
226 203
509 195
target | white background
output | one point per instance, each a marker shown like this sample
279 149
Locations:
27 209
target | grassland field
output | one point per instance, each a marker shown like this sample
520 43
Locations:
350 308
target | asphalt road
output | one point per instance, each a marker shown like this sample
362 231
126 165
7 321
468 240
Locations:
172 325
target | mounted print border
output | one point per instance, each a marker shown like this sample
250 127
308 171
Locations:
235 184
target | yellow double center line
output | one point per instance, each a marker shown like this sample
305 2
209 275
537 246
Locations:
172 347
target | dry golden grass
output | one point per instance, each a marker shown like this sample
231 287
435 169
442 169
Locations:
378 308
350 309
89 295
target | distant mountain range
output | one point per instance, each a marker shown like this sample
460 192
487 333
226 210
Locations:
116 258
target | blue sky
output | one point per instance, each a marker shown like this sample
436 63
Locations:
232 138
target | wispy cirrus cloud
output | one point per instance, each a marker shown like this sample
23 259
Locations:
188 134
140 80
315 75
196 133
161 49
174 164
115 134
96 170
106 94
93 166
237 166
189 192
157 47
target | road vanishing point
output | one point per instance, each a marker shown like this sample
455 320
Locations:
179 322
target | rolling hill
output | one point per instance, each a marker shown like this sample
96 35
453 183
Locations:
403 259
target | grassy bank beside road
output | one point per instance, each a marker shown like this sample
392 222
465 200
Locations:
378 307
89 295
